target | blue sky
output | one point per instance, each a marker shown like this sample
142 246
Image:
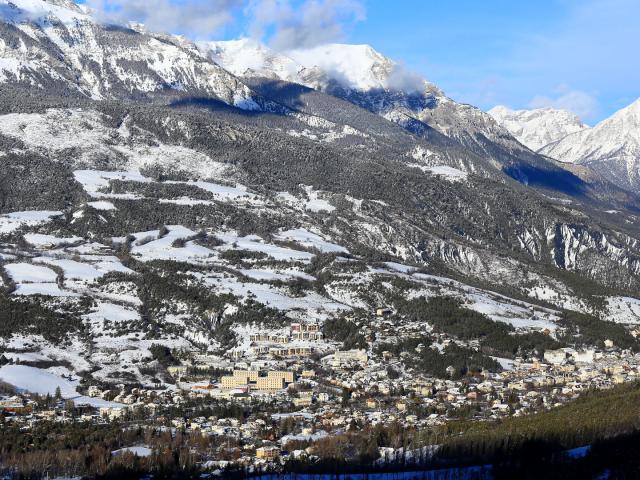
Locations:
581 55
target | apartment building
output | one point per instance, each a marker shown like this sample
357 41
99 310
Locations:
269 382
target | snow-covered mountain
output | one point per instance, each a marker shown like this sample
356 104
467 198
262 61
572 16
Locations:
365 77
357 67
248 58
59 45
612 147
133 195
537 128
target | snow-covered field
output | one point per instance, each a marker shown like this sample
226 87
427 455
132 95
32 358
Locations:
11 222
73 270
39 240
46 289
313 240
270 275
102 205
444 171
38 381
254 243
163 249
314 203
95 181
623 310
44 382
113 312
186 201
138 451
28 273
223 192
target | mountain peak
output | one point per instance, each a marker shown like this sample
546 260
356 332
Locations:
632 110
248 58
611 147
359 67
624 124
539 127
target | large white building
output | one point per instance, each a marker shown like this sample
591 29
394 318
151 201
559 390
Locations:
345 358
555 357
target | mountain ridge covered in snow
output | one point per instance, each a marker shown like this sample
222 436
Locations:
537 128
60 45
611 148
365 77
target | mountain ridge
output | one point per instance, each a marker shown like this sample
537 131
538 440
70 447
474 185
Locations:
422 109
539 127
611 148
104 61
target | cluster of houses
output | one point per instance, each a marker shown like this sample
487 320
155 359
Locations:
16 405
528 385
336 390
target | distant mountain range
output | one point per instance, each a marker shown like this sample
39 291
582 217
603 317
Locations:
538 128
363 76
611 148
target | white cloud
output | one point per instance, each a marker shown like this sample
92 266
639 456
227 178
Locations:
404 79
286 26
582 104
592 49
588 44
195 18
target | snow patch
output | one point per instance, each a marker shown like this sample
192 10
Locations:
44 382
11 222
28 273
312 240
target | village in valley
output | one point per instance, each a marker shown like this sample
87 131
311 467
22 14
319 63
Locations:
282 394
229 352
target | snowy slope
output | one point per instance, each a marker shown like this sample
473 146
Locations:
611 147
57 131
537 128
44 382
